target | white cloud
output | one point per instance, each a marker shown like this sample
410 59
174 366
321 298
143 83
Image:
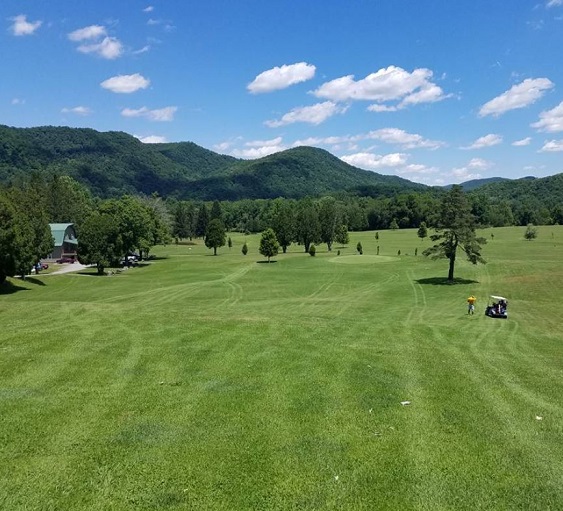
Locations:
315 114
108 48
264 143
316 141
552 146
78 110
479 164
22 27
388 84
417 169
90 32
523 142
18 101
518 96
152 139
382 108
126 84
550 121
148 8
260 148
554 3
371 161
281 77
144 49
486 141
468 171
160 115
403 139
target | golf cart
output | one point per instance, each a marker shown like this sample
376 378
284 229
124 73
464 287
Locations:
496 308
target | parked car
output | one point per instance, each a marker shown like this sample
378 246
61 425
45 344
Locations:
64 260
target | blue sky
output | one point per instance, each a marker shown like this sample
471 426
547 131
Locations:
434 91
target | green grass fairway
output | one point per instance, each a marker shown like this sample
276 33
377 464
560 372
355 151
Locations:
221 383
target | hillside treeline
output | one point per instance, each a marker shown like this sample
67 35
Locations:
137 222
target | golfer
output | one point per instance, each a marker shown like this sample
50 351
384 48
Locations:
471 304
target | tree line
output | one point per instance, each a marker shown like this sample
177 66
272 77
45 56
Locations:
109 229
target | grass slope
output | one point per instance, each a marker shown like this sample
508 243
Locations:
201 382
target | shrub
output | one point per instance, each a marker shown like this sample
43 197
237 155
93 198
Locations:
312 250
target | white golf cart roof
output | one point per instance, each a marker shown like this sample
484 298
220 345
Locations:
499 298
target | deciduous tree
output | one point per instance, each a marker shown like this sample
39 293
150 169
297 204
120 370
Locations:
269 245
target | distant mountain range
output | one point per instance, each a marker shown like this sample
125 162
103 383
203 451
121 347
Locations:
115 163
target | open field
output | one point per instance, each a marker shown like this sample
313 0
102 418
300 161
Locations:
218 383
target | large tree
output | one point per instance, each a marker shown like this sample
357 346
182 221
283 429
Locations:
202 221
283 222
308 227
133 222
455 228
100 241
215 235
16 241
328 217
269 245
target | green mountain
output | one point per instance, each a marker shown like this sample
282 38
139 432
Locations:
114 163
473 184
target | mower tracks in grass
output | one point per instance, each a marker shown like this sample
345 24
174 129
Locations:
417 311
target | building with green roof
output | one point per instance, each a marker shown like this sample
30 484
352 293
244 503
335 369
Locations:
65 241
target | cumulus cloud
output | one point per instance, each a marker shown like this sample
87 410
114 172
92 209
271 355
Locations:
486 141
160 115
152 139
523 142
314 114
550 121
148 8
552 146
388 84
281 77
126 84
257 148
22 27
554 3
402 138
108 48
417 172
78 110
94 40
382 108
518 96
371 161
90 32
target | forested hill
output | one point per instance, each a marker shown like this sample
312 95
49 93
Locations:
114 163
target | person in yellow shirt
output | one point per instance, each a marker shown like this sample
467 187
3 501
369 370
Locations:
471 304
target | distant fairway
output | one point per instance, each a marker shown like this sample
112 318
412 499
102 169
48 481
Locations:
363 259
216 383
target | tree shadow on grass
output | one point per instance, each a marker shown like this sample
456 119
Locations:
8 288
443 281
33 280
266 262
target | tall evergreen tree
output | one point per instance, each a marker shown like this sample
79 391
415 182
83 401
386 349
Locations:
455 229
215 235
202 221
216 211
